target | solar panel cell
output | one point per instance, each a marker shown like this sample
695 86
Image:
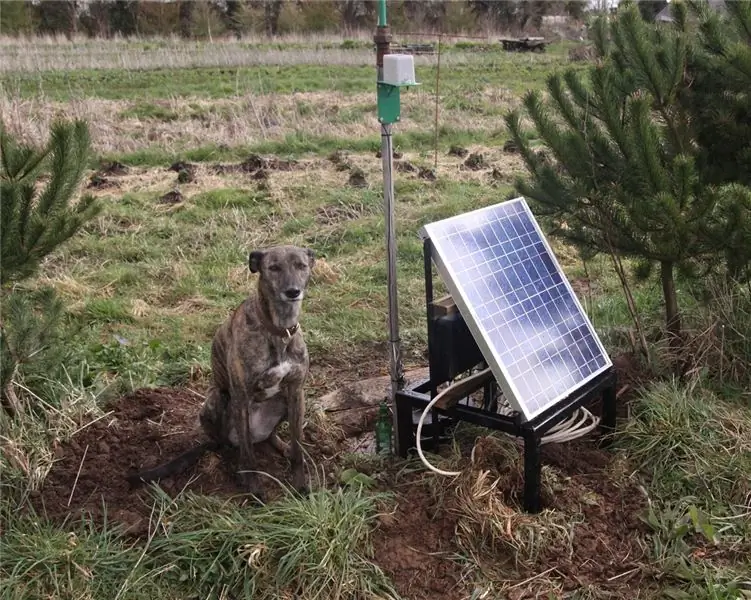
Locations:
518 304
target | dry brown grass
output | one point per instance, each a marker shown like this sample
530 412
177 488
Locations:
246 119
48 53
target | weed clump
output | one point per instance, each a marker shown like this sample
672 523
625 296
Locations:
691 444
303 547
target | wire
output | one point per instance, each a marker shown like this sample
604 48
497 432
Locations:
570 429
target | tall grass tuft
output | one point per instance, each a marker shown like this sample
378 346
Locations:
311 547
691 443
40 560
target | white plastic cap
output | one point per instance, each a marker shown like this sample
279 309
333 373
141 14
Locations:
398 69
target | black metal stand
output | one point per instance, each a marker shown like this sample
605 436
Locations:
452 351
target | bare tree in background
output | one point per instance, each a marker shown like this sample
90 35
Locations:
185 16
356 13
272 10
58 16
428 13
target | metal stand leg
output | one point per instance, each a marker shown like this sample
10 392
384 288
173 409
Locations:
608 421
532 472
487 396
404 431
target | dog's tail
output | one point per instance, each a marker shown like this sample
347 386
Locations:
175 466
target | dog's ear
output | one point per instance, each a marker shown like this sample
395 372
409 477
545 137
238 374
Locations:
254 260
311 257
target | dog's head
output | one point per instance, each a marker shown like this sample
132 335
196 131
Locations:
284 272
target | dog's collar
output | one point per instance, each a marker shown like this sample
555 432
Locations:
285 333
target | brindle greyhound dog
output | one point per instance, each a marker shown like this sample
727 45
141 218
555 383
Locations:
260 364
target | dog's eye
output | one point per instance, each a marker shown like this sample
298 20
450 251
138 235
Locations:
275 268
300 266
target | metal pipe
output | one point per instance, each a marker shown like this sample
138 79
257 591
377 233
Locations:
397 375
382 13
382 39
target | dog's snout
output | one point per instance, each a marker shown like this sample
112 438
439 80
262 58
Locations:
292 293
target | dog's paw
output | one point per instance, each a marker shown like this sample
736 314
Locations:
299 482
279 445
273 377
249 484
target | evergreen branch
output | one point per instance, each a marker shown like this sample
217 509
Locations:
740 15
631 40
583 95
513 123
601 37
648 150
18 163
33 226
611 114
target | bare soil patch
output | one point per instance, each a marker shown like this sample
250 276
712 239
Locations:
144 428
418 548
417 545
414 547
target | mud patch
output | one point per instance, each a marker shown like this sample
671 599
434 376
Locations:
182 166
606 542
172 197
404 167
99 182
417 544
475 162
255 164
143 429
414 547
115 168
357 178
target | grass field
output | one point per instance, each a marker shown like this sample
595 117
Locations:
275 141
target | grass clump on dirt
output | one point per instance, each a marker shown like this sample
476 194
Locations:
695 450
690 443
312 547
298 547
40 560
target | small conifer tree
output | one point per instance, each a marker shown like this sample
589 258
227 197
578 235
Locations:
34 221
36 216
621 171
719 100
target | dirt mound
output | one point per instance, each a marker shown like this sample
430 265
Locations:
255 163
115 168
143 429
414 545
171 197
606 543
98 182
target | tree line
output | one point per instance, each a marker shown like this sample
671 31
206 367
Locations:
201 19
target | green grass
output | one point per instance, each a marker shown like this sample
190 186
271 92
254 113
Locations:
172 259
302 145
515 72
314 547
691 443
146 284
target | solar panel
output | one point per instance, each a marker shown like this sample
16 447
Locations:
518 304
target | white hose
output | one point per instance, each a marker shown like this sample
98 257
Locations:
567 430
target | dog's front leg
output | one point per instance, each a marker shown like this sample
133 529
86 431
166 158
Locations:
247 480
